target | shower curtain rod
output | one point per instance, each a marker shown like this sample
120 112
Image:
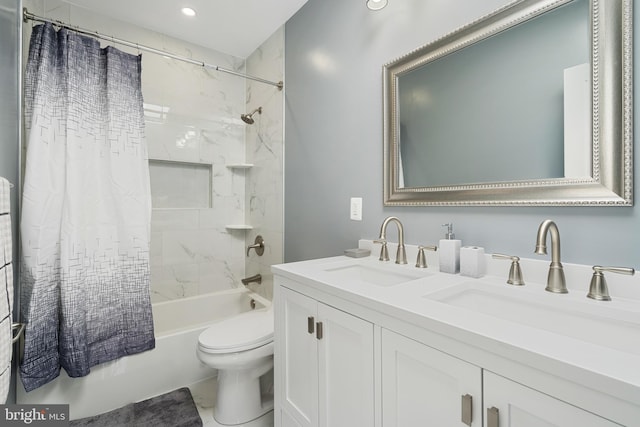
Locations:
30 16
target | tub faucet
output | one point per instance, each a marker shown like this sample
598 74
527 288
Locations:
401 254
555 280
256 278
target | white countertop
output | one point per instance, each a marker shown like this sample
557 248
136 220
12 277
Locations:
608 370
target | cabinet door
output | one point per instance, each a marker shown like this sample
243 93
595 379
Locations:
286 420
424 386
345 369
510 404
298 358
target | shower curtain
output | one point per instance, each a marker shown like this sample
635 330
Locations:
86 208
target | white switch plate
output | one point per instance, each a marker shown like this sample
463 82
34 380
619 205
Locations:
356 209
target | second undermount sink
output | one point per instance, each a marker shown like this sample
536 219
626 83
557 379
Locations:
371 273
602 323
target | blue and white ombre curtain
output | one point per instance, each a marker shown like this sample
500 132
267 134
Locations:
86 208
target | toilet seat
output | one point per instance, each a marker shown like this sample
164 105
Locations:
240 333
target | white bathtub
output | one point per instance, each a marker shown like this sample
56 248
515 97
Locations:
171 365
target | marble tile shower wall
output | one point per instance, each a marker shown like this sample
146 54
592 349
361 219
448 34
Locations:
265 149
192 117
192 252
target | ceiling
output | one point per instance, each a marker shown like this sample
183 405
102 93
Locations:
234 27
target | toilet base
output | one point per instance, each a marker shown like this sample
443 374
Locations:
239 397
265 420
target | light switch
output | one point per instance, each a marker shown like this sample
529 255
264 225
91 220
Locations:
356 209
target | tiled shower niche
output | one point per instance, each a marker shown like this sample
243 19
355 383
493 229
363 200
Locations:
180 184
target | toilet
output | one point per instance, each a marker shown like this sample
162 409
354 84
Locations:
241 349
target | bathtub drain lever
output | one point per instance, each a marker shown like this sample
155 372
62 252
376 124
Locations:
257 279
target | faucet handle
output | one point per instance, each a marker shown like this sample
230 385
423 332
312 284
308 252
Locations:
598 289
258 245
421 261
515 272
384 252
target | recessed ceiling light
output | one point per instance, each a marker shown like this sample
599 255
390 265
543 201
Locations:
187 11
376 4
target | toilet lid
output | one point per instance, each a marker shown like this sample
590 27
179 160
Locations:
242 332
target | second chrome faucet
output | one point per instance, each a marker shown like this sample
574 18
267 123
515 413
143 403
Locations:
555 280
401 254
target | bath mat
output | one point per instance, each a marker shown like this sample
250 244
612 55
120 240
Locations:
173 409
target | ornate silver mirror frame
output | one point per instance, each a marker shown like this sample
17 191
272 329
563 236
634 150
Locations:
611 180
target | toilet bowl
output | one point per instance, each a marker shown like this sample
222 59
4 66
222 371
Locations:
241 349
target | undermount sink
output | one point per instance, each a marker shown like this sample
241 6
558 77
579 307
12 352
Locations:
596 322
378 275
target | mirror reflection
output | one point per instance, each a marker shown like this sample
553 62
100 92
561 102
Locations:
497 110
530 105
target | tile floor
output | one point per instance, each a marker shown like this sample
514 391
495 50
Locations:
204 395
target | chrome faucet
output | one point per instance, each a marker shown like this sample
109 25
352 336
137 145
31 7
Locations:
515 272
555 280
257 278
401 254
598 289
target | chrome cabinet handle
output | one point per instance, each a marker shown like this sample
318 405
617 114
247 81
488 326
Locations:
319 330
467 410
492 417
311 324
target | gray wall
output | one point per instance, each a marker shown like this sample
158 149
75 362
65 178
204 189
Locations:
334 52
10 19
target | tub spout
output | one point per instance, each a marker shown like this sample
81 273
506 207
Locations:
257 279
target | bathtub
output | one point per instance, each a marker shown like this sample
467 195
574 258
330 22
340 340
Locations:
171 365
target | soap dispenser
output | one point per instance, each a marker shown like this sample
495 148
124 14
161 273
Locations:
449 251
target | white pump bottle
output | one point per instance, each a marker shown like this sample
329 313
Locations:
449 251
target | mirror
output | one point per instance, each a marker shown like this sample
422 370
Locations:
531 105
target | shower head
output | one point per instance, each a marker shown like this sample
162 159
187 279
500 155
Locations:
248 118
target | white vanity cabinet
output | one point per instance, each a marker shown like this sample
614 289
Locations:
387 357
509 404
424 386
324 364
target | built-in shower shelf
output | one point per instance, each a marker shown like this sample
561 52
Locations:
238 227
240 165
